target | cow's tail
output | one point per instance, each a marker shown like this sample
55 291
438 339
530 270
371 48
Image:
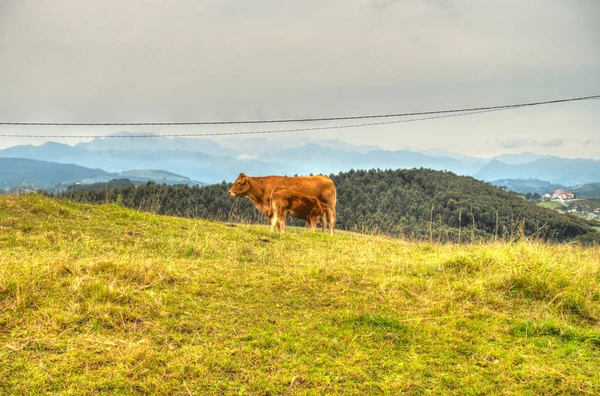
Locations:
271 203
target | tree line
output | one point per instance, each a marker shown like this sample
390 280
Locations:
412 203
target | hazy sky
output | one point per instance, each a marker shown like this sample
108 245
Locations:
194 60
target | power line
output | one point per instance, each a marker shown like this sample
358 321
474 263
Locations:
261 132
298 120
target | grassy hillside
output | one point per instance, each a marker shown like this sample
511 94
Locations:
106 299
550 205
411 203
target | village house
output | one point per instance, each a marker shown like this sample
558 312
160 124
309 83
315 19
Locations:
563 195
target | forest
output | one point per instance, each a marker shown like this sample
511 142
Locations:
419 204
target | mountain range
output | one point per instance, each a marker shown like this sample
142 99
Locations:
212 161
552 169
45 175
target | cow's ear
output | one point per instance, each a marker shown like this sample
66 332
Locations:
242 175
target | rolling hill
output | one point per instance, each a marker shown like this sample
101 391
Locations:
26 173
45 175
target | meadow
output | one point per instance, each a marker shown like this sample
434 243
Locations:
104 299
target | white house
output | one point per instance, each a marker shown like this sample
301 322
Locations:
562 195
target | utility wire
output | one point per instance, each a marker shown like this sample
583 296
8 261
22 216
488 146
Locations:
261 132
298 120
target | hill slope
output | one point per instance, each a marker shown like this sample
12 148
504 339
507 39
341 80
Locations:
21 172
36 174
591 190
101 299
419 203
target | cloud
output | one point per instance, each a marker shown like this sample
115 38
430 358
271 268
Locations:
141 60
381 5
446 6
515 142
520 142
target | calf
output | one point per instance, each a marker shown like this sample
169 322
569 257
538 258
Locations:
298 205
259 190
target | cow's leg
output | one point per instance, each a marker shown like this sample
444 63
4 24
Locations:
282 222
275 218
324 221
331 220
273 221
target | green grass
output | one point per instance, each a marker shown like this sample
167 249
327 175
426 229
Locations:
589 203
550 205
102 299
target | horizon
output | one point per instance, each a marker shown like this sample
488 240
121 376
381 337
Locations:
300 141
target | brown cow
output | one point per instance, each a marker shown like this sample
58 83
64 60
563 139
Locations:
298 205
259 189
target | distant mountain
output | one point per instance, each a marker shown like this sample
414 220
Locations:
337 144
528 185
144 176
476 161
554 169
591 190
253 146
261 156
55 152
313 158
197 166
520 158
21 172
206 146
134 142
34 174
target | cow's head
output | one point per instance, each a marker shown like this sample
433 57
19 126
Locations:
240 187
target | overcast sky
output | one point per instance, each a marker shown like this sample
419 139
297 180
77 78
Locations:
194 60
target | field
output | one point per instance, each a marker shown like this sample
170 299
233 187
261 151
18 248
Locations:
551 205
102 299
588 203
